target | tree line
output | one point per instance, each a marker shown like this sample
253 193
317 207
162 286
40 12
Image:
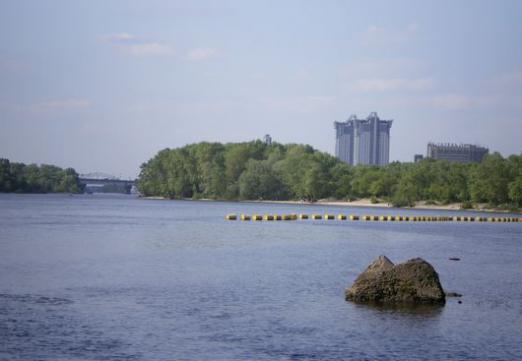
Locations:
31 178
257 171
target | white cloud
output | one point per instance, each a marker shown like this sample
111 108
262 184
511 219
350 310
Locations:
200 54
120 37
375 35
149 49
11 66
298 104
509 80
452 101
135 45
56 105
391 84
386 67
64 104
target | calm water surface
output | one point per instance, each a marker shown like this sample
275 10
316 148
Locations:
118 278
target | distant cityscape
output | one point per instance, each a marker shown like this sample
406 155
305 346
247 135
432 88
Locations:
363 141
460 153
367 142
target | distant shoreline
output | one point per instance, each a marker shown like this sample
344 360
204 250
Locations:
364 202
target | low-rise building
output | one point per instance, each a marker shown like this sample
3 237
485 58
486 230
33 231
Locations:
461 153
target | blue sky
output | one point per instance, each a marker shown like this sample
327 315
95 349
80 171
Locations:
104 85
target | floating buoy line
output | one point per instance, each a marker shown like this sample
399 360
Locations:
368 218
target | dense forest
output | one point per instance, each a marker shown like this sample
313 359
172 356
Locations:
31 178
256 171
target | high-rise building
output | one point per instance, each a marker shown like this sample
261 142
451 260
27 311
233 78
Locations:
417 158
461 153
267 139
363 141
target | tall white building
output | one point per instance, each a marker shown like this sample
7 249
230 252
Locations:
363 141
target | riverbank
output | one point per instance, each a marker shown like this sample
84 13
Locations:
364 202
367 203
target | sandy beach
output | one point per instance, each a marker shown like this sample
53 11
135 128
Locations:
363 202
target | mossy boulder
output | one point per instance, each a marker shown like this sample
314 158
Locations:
412 282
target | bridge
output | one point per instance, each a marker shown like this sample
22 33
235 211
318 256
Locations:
106 184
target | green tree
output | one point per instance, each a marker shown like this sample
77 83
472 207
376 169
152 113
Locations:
515 191
489 180
7 180
260 181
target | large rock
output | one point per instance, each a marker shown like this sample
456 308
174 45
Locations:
412 282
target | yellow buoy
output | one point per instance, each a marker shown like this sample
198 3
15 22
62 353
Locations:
354 217
329 216
303 216
231 217
384 218
317 216
341 217
245 217
268 217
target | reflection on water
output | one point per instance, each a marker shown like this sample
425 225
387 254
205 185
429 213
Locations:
404 310
117 278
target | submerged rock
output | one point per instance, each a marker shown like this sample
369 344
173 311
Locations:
412 282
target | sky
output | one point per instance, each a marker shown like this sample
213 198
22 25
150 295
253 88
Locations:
102 86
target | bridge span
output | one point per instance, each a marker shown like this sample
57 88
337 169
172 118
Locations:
108 185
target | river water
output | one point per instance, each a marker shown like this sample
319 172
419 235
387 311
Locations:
109 277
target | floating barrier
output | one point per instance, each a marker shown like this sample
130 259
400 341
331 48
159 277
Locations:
383 218
289 217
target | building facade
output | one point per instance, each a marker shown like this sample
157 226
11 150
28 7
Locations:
460 153
418 158
363 141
